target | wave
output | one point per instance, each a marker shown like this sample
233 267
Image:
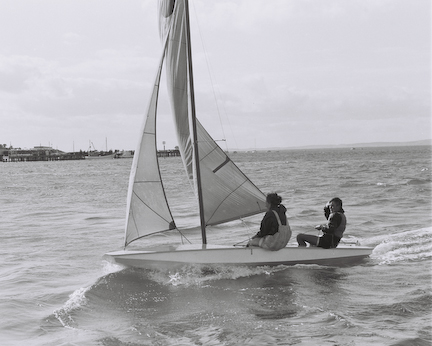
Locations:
413 245
98 218
76 300
308 212
199 275
412 303
404 181
417 181
413 341
406 246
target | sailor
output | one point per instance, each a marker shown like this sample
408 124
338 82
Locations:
333 230
269 236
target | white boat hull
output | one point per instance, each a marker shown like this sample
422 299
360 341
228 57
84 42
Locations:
171 256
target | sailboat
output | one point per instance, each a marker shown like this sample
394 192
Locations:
223 191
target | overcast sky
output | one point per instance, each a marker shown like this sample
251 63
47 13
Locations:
268 73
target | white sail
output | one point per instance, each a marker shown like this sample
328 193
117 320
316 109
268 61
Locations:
147 209
172 15
227 194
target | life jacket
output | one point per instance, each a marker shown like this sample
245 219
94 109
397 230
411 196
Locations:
338 232
278 240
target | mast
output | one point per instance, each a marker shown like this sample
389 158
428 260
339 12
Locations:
194 127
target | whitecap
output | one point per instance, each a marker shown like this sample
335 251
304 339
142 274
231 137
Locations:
412 245
76 300
110 267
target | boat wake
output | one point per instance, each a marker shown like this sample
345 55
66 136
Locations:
199 275
414 245
65 314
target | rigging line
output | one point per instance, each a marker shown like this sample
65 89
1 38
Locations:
211 151
211 79
249 231
183 236
240 243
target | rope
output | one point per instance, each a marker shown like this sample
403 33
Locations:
183 236
249 236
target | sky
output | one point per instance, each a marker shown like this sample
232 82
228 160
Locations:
267 74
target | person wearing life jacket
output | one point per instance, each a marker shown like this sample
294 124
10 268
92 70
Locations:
270 224
333 230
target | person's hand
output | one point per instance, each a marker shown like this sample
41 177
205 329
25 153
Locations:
327 211
318 227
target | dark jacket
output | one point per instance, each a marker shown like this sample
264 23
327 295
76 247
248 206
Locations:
269 223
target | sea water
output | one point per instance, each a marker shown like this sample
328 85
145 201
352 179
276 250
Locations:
59 218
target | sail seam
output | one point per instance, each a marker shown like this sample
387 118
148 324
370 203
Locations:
216 209
154 211
211 151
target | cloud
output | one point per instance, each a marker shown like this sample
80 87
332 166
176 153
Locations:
282 73
71 38
108 84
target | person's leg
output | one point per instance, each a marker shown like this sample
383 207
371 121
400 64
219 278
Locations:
328 241
303 238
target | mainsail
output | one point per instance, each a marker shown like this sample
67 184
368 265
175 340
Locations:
224 191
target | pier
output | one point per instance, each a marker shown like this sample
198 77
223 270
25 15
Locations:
38 153
168 153
41 153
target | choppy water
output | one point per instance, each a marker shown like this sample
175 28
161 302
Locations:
59 218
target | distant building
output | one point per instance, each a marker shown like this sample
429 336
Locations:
168 153
4 153
40 153
43 153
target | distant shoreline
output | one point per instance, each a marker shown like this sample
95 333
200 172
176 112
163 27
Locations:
324 146
354 145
